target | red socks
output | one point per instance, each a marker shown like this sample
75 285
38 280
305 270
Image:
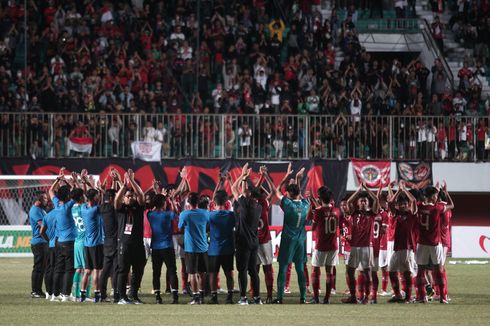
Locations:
374 292
269 279
307 276
421 284
395 283
315 280
334 278
288 276
330 279
384 279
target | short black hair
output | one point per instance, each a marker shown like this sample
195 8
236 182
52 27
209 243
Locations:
64 194
402 198
415 193
254 192
193 199
91 193
442 196
220 197
110 194
203 202
40 194
324 194
159 201
293 189
363 194
430 191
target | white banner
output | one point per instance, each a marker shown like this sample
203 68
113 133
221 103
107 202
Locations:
470 241
147 151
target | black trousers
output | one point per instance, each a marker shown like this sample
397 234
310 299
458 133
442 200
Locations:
167 256
109 269
50 267
40 252
64 269
130 255
246 261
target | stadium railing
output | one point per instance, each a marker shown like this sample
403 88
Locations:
46 135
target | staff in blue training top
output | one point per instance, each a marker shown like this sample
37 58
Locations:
66 233
39 246
162 246
93 243
221 246
194 222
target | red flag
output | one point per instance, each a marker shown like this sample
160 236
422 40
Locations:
374 174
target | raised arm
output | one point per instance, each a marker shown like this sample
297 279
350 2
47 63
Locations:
375 199
234 186
299 176
120 193
450 203
56 183
140 196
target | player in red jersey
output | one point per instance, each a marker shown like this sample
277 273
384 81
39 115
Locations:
363 214
379 243
404 208
345 235
326 220
265 253
446 242
429 246
386 237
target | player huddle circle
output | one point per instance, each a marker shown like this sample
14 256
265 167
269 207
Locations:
85 233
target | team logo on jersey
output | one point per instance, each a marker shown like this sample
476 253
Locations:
482 243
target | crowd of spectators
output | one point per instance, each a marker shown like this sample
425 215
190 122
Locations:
114 58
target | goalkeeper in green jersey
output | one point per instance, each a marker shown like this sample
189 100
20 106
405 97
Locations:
293 237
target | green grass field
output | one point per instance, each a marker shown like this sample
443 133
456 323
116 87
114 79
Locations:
469 287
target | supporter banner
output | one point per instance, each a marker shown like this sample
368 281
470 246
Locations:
470 242
374 174
15 241
147 151
79 144
418 174
203 174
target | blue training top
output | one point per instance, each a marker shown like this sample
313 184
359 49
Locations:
194 222
221 226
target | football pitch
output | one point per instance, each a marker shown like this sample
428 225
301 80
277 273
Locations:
469 287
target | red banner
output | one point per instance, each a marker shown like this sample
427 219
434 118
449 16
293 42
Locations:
374 174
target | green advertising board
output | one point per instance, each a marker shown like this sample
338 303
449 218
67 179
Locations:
15 241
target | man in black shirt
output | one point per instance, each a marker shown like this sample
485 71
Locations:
110 243
129 205
247 241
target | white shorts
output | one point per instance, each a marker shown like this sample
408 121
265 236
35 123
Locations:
147 244
429 255
361 257
178 240
389 251
324 258
264 254
346 257
383 258
403 261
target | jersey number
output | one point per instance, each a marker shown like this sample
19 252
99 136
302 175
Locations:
330 225
299 220
376 228
424 221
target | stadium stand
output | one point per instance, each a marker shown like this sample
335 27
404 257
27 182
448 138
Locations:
249 79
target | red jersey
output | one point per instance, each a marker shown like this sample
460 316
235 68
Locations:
346 225
146 225
264 233
362 229
446 228
430 223
327 220
405 225
379 234
175 221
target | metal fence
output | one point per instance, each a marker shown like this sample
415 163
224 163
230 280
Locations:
274 137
